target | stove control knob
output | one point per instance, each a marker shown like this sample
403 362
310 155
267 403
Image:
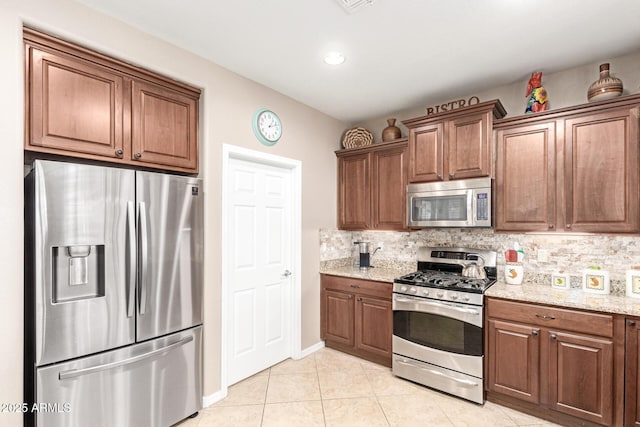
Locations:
413 290
403 289
425 292
465 298
440 294
454 297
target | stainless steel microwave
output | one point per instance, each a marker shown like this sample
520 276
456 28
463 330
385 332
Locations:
460 203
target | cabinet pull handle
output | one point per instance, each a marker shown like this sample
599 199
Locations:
119 153
355 286
534 332
137 155
553 336
632 323
545 317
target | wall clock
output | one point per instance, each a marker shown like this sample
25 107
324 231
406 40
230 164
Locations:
267 126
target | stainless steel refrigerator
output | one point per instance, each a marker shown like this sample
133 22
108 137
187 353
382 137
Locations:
113 296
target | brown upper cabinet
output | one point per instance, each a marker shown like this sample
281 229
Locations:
80 103
571 170
453 145
372 183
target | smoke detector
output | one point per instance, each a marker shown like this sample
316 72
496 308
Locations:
352 6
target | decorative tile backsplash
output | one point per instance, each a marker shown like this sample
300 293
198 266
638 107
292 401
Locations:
544 253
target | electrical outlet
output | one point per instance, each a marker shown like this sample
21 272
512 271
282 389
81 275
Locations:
543 255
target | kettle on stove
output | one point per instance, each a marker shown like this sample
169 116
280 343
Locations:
474 270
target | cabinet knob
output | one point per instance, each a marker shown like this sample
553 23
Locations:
350 296
451 174
569 226
534 332
359 299
551 226
440 176
137 155
632 323
553 336
119 153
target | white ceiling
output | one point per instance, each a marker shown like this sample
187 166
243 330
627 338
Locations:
400 53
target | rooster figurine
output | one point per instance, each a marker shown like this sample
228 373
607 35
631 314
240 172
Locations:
537 94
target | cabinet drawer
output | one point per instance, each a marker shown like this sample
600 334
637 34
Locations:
357 286
551 317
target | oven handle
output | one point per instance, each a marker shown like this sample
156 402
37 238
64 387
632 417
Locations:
436 304
431 371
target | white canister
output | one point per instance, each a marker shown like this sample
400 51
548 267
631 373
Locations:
513 273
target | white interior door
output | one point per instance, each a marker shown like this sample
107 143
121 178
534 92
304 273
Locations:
258 267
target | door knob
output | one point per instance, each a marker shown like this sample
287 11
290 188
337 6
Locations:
286 273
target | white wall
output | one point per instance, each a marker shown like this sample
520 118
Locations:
227 105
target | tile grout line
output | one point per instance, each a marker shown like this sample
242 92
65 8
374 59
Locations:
264 404
324 416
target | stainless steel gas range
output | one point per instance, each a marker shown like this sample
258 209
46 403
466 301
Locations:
438 320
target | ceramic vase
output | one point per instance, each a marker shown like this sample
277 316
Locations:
606 87
391 132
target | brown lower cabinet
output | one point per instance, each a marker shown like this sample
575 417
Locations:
559 364
356 317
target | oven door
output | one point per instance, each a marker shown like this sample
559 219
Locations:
439 332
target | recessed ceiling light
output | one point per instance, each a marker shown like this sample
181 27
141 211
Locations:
334 58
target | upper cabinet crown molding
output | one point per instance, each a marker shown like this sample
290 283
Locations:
84 104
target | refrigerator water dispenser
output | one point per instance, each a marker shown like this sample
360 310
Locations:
78 272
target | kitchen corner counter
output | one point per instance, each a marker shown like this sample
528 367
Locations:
572 298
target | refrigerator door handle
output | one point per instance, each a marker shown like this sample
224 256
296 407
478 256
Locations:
131 247
74 373
144 256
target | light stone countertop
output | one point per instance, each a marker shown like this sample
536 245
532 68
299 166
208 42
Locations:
527 292
379 274
572 298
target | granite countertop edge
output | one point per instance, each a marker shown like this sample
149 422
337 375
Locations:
527 292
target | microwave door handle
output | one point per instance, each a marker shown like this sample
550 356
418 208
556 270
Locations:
471 207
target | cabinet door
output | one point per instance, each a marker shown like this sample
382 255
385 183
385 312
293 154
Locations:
526 178
389 188
339 315
468 147
631 375
75 107
601 172
580 376
354 192
374 317
513 353
426 153
164 126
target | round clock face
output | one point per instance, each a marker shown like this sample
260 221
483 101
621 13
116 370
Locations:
267 126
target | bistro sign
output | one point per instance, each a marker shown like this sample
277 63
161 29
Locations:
452 105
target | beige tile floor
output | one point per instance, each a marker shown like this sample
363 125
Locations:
330 388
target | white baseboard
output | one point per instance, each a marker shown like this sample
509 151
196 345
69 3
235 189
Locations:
310 350
213 398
